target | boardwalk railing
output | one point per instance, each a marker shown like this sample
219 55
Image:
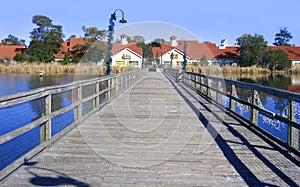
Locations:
271 111
31 121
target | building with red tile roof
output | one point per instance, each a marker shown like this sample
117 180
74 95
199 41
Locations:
292 51
9 51
125 53
68 46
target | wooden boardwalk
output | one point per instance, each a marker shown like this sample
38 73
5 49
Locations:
158 133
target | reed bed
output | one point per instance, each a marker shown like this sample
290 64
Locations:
242 72
56 68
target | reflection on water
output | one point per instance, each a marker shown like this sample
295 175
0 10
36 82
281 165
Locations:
280 81
16 116
13 83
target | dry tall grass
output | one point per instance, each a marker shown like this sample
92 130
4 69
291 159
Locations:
56 68
230 71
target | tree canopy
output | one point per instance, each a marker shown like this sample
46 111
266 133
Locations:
251 49
136 38
159 40
46 39
283 37
277 60
93 49
13 40
93 32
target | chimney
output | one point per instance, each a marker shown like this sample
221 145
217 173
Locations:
224 44
124 40
173 41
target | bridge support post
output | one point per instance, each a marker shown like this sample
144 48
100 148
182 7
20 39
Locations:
293 133
45 129
254 112
97 99
114 85
78 109
218 95
231 100
195 81
108 93
200 84
121 82
207 88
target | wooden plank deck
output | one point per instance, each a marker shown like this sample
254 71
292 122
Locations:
154 134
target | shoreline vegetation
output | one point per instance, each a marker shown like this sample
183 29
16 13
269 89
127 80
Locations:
236 71
86 68
56 68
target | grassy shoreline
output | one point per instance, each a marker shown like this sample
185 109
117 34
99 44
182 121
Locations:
56 68
80 68
229 71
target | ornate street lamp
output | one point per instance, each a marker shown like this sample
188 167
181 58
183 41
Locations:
111 26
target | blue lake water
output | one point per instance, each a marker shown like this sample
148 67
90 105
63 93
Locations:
13 83
16 116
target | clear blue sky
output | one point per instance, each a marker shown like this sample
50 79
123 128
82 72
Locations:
211 20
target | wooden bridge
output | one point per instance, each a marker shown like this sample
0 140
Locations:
147 129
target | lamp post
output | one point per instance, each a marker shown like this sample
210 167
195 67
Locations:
171 56
111 26
184 57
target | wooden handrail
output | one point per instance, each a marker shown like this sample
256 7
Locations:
200 82
44 121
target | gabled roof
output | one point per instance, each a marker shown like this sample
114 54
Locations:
10 50
194 49
68 46
292 51
228 52
161 50
117 47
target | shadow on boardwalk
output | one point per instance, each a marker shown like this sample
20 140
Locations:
235 160
58 178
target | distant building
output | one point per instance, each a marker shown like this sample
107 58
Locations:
127 53
292 51
9 51
68 46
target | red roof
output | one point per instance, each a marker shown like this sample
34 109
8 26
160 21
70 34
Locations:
194 49
68 46
228 52
10 50
161 50
117 47
292 51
